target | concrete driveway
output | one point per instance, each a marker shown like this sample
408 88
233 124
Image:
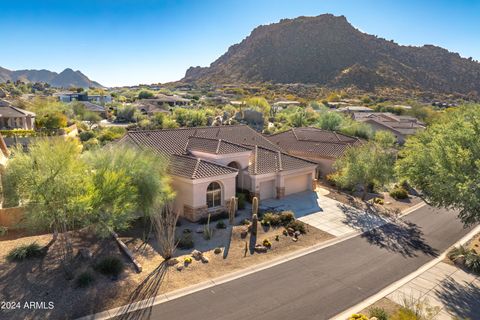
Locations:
324 213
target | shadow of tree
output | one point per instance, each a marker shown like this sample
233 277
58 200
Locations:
463 300
401 237
140 302
361 219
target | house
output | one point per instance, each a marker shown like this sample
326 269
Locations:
100 98
208 165
15 118
92 107
400 126
284 104
354 109
172 101
320 146
151 106
68 96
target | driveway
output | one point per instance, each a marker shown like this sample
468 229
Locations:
324 213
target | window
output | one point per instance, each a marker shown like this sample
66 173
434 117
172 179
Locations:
214 195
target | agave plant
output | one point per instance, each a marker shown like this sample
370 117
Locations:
458 254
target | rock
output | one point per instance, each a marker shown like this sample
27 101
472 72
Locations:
85 253
199 230
297 234
217 251
197 254
373 318
290 231
285 232
294 239
260 249
2 94
172 262
180 267
204 259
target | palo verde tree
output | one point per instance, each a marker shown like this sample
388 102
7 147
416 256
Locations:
371 164
444 162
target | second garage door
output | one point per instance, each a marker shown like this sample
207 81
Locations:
297 184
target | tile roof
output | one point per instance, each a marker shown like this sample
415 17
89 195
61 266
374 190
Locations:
92 106
314 143
266 157
7 110
215 146
405 125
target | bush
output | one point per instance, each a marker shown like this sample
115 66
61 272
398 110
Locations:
465 256
217 250
358 316
378 201
399 193
187 260
266 243
286 217
378 313
245 222
111 265
25 251
272 219
221 225
86 135
185 242
472 261
297 225
85 279
242 198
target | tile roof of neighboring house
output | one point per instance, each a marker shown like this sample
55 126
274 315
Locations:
92 106
266 157
405 125
7 110
314 143
215 146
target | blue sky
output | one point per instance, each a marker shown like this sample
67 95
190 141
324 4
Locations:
126 42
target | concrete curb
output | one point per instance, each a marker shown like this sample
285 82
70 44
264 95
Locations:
394 286
161 298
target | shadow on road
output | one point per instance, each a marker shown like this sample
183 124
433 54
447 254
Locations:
461 299
401 237
145 292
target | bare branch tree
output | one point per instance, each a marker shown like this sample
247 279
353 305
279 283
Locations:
164 221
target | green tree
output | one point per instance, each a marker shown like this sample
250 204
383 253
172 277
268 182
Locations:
260 104
444 162
371 164
145 94
330 121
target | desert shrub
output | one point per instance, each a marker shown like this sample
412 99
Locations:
217 250
458 254
378 313
266 243
286 217
111 265
416 309
272 219
472 261
358 316
242 198
245 222
86 135
25 251
84 279
465 256
378 201
297 225
399 193
185 242
221 225
187 260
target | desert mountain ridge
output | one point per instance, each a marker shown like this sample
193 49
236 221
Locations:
65 79
327 50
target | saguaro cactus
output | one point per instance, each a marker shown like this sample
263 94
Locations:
231 210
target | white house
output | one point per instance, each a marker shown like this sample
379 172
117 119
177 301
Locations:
208 164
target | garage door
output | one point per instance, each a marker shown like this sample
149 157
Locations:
267 189
297 184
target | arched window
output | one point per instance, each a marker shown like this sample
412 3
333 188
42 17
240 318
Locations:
214 195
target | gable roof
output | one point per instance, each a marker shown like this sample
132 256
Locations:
405 125
196 168
92 106
264 161
314 142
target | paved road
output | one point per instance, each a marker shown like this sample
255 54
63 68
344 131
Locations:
324 283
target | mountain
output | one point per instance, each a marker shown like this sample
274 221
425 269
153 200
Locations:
65 79
328 50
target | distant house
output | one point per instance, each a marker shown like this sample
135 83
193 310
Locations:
320 146
15 118
172 101
151 106
399 126
68 96
208 164
100 110
353 109
283 104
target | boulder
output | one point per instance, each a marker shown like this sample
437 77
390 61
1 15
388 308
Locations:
204 259
172 262
294 239
180 267
197 254
297 234
260 249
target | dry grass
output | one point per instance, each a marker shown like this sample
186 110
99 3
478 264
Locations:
386 304
41 279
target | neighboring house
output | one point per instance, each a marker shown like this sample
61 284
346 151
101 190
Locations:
15 118
281 105
354 109
208 164
320 146
100 110
172 101
68 96
151 106
400 126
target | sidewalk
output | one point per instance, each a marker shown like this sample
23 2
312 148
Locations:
456 292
